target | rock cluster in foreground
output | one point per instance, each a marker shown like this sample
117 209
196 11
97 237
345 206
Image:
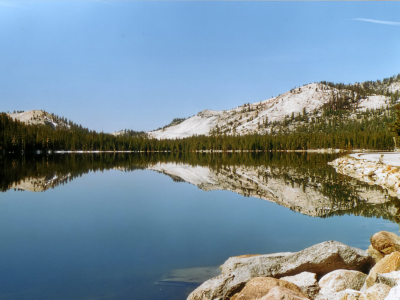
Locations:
326 271
370 172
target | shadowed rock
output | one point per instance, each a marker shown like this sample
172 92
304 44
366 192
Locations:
376 255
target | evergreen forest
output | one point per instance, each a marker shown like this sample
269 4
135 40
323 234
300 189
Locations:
337 125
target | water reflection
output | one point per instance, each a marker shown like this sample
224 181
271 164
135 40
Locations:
301 182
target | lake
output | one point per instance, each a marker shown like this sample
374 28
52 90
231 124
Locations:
153 226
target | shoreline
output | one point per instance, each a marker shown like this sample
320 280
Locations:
328 150
321 150
378 168
326 271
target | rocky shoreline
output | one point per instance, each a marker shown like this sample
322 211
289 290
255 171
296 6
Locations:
326 271
379 169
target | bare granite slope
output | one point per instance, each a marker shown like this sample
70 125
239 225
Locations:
255 117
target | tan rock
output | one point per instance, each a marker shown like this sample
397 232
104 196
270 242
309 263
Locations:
378 291
385 242
341 280
387 264
376 255
282 293
260 286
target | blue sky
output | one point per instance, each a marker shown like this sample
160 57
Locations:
110 65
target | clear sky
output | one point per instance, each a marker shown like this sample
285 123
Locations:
110 65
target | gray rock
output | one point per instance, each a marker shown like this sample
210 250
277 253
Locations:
341 280
378 291
343 295
391 279
320 259
306 281
394 293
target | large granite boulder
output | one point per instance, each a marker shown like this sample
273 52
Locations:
282 293
387 264
341 280
343 295
319 259
385 242
260 286
378 291
306 281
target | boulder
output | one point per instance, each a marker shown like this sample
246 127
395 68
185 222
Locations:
387 264
376 255
306 281
260 286
394 293
385 242
343 295
319 259
391 279
238 262
378 291
341 280
282 293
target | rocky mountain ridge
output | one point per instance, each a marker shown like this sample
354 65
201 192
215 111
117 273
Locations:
307 101
39 117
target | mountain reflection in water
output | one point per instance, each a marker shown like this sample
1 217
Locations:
302 182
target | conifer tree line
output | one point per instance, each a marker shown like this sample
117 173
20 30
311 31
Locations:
339 126
369 133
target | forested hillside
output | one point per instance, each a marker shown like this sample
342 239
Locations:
353 116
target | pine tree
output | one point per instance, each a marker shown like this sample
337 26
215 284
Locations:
395 126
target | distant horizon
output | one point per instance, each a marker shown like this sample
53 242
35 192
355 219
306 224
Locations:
114 65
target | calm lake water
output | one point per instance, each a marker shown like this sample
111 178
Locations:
115 226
